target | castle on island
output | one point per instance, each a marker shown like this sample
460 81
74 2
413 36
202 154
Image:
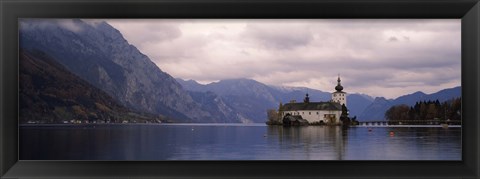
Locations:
332 112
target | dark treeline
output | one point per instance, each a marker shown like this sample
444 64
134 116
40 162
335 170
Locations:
426 110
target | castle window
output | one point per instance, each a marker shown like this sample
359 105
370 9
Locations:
309 113
317 113
302 112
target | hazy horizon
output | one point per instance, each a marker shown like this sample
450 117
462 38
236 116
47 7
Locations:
351 92
380 58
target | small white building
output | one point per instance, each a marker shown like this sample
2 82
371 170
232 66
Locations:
318 112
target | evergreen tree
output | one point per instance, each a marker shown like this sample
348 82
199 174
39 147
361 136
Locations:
427 110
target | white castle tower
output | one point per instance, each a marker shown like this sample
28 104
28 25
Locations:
339 96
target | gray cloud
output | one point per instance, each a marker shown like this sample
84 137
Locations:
282 36
66 24
393 39
377 57
148 31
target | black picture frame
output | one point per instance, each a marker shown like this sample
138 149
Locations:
467 10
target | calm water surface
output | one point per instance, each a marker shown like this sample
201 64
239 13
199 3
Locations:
237 142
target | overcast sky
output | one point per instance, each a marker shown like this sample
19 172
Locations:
386 58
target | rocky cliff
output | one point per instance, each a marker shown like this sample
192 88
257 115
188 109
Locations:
98 53
51 94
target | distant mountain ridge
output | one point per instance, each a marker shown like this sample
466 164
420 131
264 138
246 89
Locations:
376 110
363 106
251 98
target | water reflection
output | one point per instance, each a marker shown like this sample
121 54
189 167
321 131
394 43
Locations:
406 143
310 142
237 142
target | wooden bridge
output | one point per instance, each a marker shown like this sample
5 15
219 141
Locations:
408 122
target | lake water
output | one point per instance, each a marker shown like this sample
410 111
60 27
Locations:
237 142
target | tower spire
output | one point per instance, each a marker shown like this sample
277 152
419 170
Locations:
339 86
306 99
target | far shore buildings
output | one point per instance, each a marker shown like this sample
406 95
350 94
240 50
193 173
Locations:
318 112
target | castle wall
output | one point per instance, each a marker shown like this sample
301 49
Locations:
317 115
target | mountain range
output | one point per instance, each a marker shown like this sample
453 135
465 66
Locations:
251 98
376 110
238 92
101 58
98 54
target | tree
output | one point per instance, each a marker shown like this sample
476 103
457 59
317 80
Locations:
399 112
431 112
456 109
344 111
272 116
427 110
344 116
423 110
